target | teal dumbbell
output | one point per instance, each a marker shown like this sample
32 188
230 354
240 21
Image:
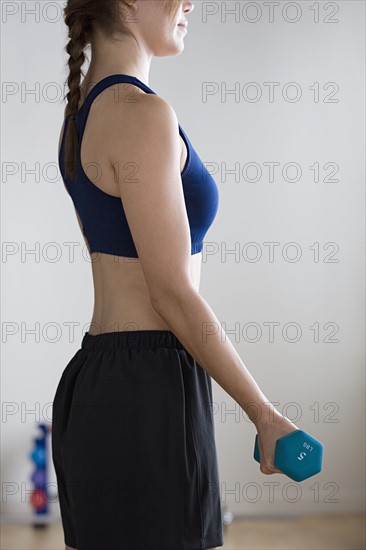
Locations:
297 454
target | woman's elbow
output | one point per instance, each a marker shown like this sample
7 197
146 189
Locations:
163 297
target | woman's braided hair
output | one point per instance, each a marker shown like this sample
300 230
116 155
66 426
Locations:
81 17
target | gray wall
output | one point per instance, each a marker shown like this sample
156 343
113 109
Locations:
298 237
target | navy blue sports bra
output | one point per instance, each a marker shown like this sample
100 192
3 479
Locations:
102 215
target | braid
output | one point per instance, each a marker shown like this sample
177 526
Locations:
75 49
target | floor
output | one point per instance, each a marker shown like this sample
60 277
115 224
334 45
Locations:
307 533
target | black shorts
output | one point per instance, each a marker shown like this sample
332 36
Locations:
133 446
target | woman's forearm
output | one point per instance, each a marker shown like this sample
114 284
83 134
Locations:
194 323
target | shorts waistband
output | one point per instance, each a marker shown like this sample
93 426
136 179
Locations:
138 339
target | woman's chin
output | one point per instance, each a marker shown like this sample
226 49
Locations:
173 48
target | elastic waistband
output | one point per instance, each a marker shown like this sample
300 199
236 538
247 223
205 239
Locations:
138 339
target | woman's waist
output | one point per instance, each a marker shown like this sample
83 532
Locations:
125 313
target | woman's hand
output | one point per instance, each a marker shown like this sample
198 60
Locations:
269 431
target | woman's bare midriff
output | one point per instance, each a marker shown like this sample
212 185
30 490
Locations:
121 297
122 300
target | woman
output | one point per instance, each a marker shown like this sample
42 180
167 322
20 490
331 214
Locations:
132 437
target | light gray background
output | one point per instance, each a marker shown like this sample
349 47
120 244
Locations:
317 381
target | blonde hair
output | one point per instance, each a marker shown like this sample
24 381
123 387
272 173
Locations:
81 16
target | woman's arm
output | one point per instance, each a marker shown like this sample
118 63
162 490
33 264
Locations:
152 196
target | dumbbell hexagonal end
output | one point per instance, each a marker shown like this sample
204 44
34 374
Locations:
299 455
256 450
